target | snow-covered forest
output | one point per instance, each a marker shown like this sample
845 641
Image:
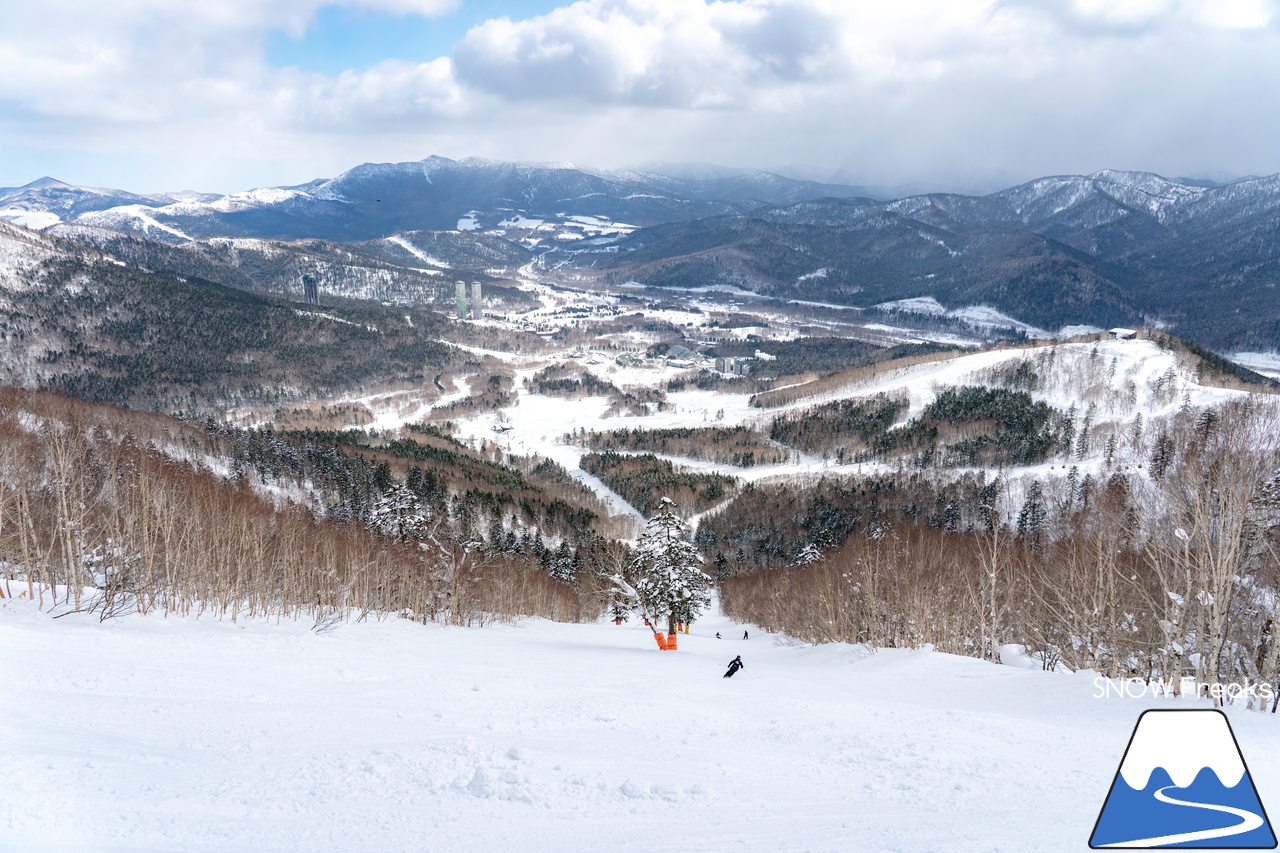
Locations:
1165 567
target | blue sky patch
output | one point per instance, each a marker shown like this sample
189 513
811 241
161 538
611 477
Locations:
340 38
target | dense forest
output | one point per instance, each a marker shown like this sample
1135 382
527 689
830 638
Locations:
739 446
114 334
820 355
840 424
561 380
773 525
644 480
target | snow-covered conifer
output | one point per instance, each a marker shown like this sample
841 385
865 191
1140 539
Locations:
1034 512
669 581
811 553
620 606
398 513
1162 455
563 563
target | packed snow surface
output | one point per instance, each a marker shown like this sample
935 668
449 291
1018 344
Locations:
415 251
135 217
202 736
979 316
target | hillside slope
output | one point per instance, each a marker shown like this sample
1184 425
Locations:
76 319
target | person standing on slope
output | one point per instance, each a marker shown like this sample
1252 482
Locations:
734 665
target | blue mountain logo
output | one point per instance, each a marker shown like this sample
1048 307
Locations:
1183 783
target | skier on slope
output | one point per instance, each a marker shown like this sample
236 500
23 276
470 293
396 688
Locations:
734 665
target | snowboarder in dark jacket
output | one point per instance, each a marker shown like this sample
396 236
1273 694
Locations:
744 635
734 665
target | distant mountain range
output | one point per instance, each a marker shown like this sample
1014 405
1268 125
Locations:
379 199
1104 249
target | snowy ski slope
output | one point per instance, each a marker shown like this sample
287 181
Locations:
146 734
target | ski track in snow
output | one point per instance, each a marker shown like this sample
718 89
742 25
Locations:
400 241
177 734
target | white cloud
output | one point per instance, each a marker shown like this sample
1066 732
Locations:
671 53
1123 12
1141 16
1237 14
914 89
390 93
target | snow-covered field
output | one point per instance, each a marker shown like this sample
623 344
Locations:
152 734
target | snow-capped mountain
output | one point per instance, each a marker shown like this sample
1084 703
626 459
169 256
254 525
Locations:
107 316
1110 248
407 268
375 200
46 200
23 252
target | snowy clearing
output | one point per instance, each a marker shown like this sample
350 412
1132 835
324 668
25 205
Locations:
177 734
1266 363
417 253
36 219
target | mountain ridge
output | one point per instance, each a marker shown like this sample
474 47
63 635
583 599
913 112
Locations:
1114 247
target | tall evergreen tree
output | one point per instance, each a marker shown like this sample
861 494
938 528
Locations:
1033 514
1162 455
667 571
563 567
398 513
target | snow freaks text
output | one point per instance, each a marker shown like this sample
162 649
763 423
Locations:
1137 688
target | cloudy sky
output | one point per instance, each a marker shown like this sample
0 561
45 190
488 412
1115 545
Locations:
151 95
